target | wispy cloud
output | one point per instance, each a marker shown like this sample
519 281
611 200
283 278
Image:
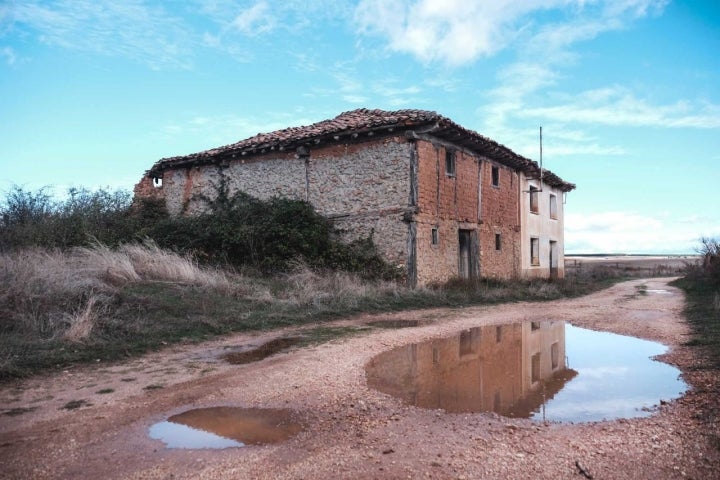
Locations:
131 29
618 106
630 232
255 20
456 32
8 54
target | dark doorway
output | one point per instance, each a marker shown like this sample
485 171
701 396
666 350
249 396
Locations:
467 254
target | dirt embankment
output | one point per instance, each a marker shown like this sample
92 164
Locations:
353 431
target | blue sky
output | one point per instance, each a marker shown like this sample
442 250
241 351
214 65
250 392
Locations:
93 92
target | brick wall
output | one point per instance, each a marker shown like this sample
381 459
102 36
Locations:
450 203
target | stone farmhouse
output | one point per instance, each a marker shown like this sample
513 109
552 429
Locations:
441 201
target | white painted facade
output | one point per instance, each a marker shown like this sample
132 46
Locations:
542 229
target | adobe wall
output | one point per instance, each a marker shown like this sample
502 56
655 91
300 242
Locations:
362 187
466 200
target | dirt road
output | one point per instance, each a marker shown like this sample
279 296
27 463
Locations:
353 431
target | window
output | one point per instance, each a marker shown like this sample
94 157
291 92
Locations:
495 177
534 194
157 182
450 162
435 236
553 206
536 368
469 340
534 251
534 326
498 242
554 355
498 334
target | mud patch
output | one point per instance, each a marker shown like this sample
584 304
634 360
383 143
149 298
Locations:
399 323
226 427
18 411
263 351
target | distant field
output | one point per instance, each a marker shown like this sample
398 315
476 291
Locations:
635 264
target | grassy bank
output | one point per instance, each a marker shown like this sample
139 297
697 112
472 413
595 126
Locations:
59 308
702 309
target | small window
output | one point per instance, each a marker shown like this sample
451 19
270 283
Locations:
555 355
498 334
436 355
534 194
535 251
450 162
495 176
498 242
469 340
157 182
435 236
536 368
553 206
534 326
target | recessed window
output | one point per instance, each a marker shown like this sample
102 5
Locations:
469 341
534 194
535 251
435 236
536 368
450 162
553 206
534 326
495 177
555 355
498 242
498 334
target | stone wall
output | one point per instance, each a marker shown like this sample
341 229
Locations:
364 188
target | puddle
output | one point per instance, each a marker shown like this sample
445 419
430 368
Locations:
659 291
539 370
398 323
226 427
263 351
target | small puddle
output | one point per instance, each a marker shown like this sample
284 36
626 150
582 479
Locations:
226 427
659 291
539 370
398 323
263 351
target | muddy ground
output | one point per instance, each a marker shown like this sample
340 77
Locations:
353 431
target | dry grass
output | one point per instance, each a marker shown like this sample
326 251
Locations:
51 293
83 321
305 286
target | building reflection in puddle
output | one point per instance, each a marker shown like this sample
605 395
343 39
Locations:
511 369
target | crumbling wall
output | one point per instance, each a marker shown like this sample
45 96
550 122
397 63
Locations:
363 188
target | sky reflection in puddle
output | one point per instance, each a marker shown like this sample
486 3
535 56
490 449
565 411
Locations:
225 427
540 370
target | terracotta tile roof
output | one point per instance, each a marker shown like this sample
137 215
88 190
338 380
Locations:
357 125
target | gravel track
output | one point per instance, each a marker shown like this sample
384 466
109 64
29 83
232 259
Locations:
355 432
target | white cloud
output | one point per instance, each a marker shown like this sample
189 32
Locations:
618 106
628 232
255 20
456 32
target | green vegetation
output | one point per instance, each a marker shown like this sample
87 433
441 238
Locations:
702 309
93 278
100 304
